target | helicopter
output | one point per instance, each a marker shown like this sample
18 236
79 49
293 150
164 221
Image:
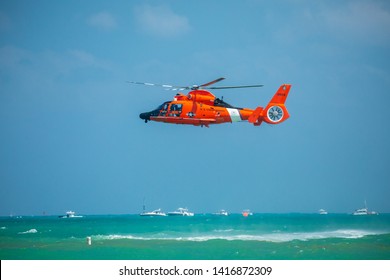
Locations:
201 108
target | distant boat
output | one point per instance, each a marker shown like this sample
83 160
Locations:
181 212
70 214
156 212
221 213
322 212
364 211
247 213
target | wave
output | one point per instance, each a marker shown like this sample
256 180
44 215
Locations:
33 230
223 230
271 237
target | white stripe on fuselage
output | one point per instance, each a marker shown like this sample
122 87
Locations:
234 114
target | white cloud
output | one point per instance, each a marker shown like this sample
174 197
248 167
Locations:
83 57
369 21
103 20
42 69
161 21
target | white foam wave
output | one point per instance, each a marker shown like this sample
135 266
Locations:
271 237
223 230
33 230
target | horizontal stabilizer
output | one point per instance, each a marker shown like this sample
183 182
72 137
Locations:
255 118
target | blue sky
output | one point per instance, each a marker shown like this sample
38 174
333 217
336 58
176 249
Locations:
71 138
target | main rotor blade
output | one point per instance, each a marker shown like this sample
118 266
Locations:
194 87
212 82
167 87
149 84
227 87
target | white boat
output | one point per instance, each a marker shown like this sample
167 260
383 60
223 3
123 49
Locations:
361 211
364 211
181 212
156 212
70 214
247 213
322 212
221 213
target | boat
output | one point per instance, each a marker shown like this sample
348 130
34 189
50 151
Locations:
364 211
247 213
156 212
181 212
361 211
322 212
221 213
70 214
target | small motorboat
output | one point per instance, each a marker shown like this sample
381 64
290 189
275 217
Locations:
70 214
181 212
156 212
221 213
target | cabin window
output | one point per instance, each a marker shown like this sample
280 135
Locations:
175 110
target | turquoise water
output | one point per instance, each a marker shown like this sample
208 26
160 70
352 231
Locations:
204 237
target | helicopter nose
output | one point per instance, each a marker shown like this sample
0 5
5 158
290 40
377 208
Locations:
145 116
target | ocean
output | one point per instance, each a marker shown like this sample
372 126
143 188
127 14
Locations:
202 237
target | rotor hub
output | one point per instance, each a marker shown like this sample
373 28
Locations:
275 113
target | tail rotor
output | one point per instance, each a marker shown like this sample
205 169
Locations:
275 112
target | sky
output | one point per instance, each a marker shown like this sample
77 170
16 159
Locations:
71 137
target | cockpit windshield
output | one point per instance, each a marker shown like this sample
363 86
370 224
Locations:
164 105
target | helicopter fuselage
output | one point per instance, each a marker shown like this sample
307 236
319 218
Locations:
198 107
201 107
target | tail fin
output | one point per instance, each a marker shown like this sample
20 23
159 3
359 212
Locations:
275 112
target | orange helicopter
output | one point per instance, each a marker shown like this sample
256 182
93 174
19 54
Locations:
201 108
